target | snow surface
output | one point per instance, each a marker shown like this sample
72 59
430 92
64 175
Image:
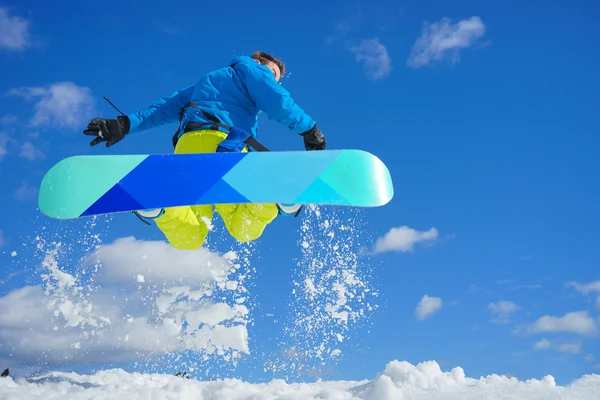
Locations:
398 381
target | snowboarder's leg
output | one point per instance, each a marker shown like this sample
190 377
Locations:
186 228
246 222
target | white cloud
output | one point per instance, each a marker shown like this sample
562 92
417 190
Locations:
25 192
62 104
107 312
340 30
542 344
534 286
577 322
444 39
126 258
31 329
2 239
376 59
585 288
571 348
403 239
505 281
427 306
351 22
501 311
14 31
7 278
30 152
589 357
8 119
3 145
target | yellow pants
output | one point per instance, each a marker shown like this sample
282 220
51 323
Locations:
186 227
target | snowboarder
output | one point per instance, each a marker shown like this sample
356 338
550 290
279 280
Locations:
218 113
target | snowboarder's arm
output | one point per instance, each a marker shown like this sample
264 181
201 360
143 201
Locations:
163 111
273 99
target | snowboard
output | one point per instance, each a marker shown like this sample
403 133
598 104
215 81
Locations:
89 185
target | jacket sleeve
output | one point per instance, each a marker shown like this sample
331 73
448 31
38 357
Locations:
163 111
273 99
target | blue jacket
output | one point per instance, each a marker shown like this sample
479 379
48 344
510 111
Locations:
236 95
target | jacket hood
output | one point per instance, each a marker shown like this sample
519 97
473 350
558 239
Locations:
243 59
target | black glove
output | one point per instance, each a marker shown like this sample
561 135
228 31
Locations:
314 139
110 131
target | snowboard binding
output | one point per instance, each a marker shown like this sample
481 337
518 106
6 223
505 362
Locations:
289 210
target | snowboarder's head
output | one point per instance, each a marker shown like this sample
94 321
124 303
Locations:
271 62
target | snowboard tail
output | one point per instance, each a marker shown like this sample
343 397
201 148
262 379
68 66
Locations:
91 185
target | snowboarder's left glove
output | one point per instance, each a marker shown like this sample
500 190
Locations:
110 131
314 139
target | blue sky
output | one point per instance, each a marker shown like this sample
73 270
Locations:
485 114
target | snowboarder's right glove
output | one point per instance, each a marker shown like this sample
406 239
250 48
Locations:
314 139
110 131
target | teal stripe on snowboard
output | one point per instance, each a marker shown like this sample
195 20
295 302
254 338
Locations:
75 183
91 185
297 173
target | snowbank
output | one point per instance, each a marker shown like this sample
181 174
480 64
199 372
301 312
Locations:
399 381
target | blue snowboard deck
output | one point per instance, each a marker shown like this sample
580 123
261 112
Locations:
91 185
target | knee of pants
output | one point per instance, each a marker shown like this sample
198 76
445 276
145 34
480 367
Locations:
263 211
184 227
188 242
247 235
248 223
